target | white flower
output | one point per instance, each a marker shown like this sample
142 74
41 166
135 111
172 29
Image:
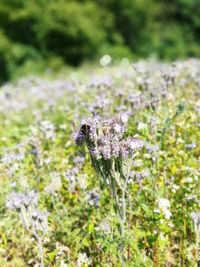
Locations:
83 259
188 180
141 126
63 264
167 214
175 188
164 205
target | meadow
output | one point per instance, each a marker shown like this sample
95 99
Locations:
100 167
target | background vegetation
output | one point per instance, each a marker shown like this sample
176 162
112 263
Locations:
38 121
36 34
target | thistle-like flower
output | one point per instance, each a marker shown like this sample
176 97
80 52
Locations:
34 220
111 155
105 138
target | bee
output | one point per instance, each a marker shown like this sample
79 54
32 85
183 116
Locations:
83 134
85 129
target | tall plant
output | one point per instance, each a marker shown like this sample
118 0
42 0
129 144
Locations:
111 155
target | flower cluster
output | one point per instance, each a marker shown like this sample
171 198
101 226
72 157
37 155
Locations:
11 158
48 129
105 138
16 201
100 104
32 218
164 205
83 260
93 198
55 184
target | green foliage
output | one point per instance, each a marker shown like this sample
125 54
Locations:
77 31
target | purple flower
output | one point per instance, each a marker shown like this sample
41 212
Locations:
18 200
93 198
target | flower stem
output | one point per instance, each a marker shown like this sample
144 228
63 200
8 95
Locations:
41 252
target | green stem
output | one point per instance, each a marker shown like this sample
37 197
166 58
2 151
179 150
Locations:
197 249
41 252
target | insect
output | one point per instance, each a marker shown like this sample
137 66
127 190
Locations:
83 134
85 129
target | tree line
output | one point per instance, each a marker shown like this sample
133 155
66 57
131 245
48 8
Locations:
40 33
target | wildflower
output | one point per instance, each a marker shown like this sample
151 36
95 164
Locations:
117 128
104 226
78 160
164 205
82 180
196 219
83 259
104 138
141 126
34 220
48 129
136 144
17 200
93 198
55 184
12 158
124 117
175 188
190 146
71 175
188 179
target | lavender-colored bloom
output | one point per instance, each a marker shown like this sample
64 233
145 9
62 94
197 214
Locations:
34 152
93 198
143 174
48 129
106 141
190 146
150 148
41 218
124 117
115 148
18 200
14 201
11 158
78 160
135 144
34 214
33 219
105 151
95 152
70 175
104 226
13 184
118 128
124 150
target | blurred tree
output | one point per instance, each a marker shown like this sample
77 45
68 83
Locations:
134 20
73 31
4 48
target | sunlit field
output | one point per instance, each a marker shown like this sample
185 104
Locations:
101 167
